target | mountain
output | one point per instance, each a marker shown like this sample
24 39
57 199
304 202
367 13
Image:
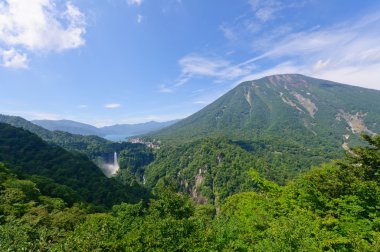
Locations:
59 173
296 107
68 126
135 129
114 132
279 125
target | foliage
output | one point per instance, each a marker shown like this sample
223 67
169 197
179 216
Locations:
212 169
60 173
30 221
333 207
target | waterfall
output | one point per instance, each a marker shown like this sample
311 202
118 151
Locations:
111 167
115 163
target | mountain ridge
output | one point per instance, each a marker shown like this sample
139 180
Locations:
75 127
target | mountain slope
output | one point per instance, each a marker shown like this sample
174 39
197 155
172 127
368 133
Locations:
291 106
92 146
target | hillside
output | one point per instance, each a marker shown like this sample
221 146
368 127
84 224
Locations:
58 172
288 106
92 146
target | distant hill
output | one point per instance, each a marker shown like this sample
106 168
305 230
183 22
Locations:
136 129
68 126
60 173
118 131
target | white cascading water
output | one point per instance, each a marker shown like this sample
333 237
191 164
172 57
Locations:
111 169
115 163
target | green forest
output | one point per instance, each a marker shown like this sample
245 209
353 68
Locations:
49 203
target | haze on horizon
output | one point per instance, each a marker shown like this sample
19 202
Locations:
117 61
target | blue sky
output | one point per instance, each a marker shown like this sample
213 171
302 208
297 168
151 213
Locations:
129 61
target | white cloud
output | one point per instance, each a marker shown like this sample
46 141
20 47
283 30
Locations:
264 10
157 118
112 105
320 65
40 26
83 106
265 14
200 66
165 89
134 2
140 18
201 102
228 32
13 59
46 116
258 23
33 115
348 52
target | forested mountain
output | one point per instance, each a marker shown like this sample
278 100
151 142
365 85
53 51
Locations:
92 146
280 126
211 169
122 130
290 106
330 208
60 173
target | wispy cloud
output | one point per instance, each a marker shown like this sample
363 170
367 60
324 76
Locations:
264 10
83 106
261 21
348 52
140 18
38 26
201 102
134 2
33 115
156 117
112 105
201 66
165 89
14 59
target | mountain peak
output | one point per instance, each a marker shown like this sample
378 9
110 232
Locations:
285 105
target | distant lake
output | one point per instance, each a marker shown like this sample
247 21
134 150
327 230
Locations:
117 138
